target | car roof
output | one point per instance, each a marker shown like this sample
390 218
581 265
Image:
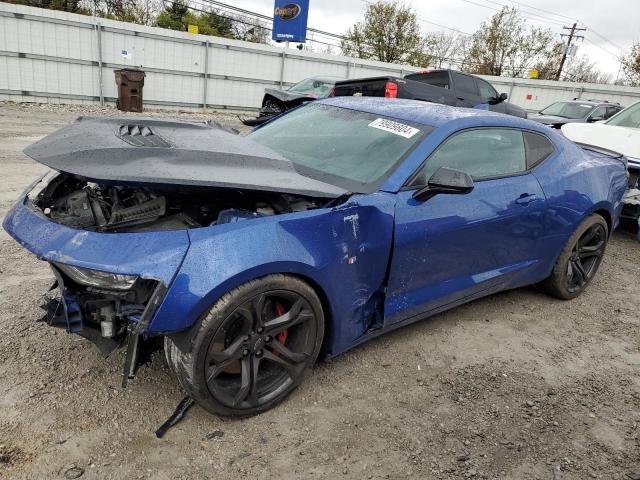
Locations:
425 113
594 103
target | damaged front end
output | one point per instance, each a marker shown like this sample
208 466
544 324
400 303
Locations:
115 219
115 249
112 308
106 309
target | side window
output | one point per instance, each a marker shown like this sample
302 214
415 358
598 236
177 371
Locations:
611 111
437 79
538 148
487 92
481 153
465 85
598 112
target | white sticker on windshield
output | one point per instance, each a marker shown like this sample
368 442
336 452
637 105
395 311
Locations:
398 128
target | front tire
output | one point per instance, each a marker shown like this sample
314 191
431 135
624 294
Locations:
579 261
252 348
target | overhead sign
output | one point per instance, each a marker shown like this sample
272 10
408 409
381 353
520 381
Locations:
290 20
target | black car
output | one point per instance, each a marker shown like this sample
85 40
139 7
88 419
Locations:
576 111
448 87
277 101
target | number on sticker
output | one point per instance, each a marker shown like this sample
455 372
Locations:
398 128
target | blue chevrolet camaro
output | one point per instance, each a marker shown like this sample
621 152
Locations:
332 224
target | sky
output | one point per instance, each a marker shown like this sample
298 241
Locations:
612 25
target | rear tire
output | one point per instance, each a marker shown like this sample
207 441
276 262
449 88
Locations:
580 258
252 348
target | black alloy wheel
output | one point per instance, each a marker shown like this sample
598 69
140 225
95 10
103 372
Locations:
260 349
252 348
586 257
577 264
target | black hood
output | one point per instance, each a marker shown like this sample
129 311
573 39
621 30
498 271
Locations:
286 95
150 151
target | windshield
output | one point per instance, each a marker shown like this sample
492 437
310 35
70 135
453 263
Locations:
629 117
310 86
353 150
568 109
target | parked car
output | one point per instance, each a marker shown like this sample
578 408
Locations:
576 111
621 133
448 87
277 101
333 224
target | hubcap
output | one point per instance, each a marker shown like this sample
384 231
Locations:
260 349
585 257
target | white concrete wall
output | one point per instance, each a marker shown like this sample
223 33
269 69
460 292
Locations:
52 56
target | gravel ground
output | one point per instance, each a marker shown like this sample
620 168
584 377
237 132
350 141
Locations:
514 386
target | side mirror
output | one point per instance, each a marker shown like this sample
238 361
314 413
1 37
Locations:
599 118
445 180
499 99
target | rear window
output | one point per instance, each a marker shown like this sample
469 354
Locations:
353 150
538 148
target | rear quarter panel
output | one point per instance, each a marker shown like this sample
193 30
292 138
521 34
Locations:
578 183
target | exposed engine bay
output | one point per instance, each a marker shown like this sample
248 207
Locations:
77 203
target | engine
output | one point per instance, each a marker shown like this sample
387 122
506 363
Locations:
76 203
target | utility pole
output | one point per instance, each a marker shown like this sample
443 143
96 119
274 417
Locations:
572 34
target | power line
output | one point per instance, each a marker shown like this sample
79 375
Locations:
541 10
530 15
422 19
602 48
268 18
606 39
527 15
595 32
244 22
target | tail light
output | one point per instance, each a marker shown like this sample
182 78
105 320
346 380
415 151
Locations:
332 92
390 90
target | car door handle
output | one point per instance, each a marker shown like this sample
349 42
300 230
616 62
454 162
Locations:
526 198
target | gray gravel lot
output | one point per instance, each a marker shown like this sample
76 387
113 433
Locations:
514 386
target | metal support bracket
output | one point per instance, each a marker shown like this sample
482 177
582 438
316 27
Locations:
206 74
284 57
131 360
100 82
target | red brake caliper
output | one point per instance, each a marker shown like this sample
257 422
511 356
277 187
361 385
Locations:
281 337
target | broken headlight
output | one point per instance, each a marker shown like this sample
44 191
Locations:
95 278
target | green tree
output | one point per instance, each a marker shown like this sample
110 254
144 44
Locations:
389 33
506 45
73 6
174 16
178 15
631 65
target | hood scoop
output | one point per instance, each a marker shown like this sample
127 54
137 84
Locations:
141 136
